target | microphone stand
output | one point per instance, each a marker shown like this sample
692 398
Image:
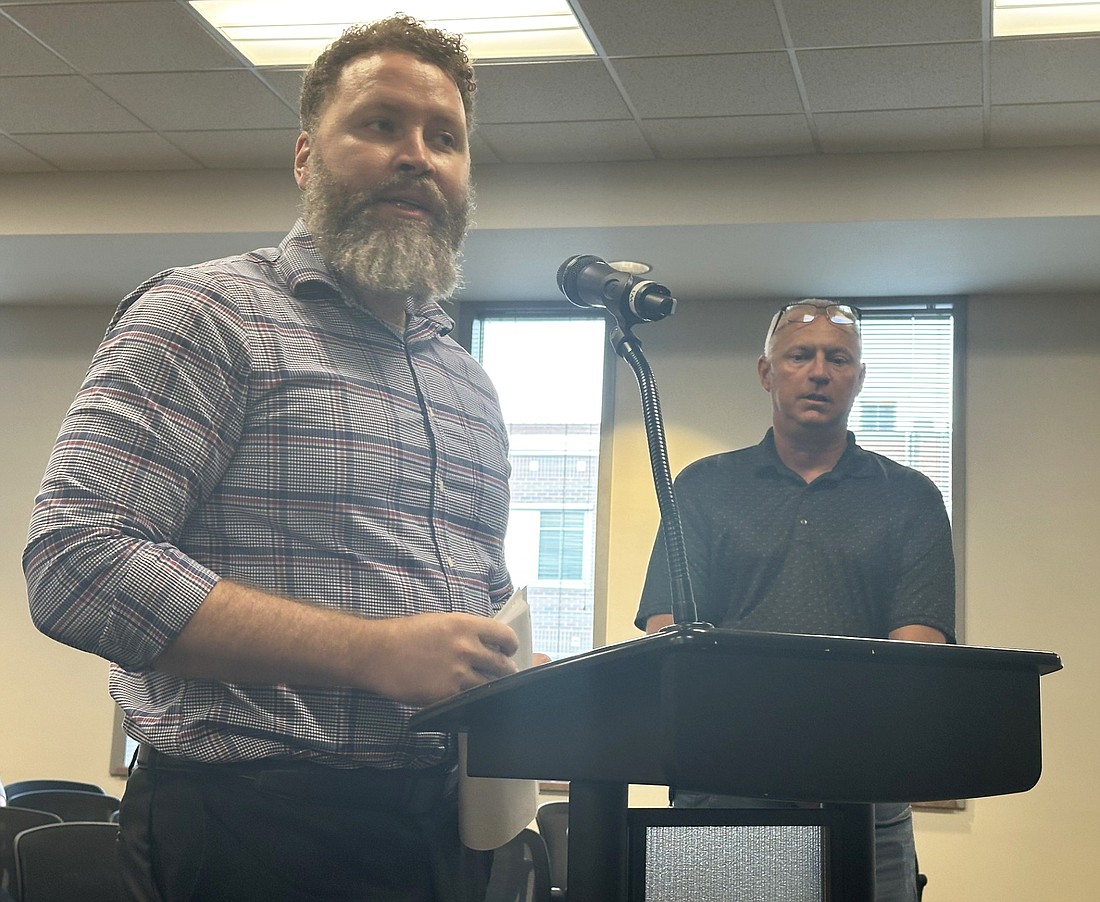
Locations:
629 348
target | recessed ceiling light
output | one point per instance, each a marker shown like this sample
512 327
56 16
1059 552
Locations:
1021 17
634 267
285 33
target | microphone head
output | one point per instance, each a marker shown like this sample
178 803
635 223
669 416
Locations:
570 271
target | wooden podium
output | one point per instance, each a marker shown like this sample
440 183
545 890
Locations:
837 720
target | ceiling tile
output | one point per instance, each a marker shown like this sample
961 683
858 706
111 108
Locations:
255 149
690 79
1038 125
287 83
20 54
661 28
892 78
736 84
552 142
120 151
480 152
547 92
199 100
732 136
126 37
59 103
815 24
958 128
14 158
1038 71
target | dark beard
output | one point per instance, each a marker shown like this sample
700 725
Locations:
377 255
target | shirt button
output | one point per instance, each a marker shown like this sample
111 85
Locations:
804 521
450 561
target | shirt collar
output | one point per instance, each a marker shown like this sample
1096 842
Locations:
309 279
854 462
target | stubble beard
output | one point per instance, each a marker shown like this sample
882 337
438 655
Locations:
378 255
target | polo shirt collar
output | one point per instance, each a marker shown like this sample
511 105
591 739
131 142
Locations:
854 462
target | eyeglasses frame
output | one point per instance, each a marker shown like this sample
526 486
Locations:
857 317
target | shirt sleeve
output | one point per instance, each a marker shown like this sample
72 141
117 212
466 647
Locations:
925 590
657 591
146 439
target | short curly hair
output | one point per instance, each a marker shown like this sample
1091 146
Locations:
399 32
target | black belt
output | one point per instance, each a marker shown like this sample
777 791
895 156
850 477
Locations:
412 791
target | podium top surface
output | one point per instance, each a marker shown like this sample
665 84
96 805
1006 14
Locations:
767 715
452 713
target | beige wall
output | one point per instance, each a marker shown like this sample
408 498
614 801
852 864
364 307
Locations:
887 187
57 715
1032 532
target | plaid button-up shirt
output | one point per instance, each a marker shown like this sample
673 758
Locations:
243 420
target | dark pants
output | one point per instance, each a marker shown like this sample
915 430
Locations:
236 833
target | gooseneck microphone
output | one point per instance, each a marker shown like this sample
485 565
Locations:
589 281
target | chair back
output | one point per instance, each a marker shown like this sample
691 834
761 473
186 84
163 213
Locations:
69 804
521 871
12 822
553 823
66 862
21 786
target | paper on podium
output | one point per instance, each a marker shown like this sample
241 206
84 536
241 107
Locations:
492 811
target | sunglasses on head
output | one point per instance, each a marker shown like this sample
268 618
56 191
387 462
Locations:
803 312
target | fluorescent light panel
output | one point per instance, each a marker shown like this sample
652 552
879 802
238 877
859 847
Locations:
1021 17
284 33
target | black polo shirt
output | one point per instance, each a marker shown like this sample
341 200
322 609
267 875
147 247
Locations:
860 551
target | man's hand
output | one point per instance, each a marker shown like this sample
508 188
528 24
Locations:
916 632
428 657
658 622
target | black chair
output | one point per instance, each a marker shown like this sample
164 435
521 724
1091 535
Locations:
553 823
21 786
67 862
12 822
69 804
521 870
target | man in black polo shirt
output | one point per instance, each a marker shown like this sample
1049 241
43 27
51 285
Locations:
807 532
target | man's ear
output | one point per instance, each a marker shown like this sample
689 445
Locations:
301 160
862 376
764 370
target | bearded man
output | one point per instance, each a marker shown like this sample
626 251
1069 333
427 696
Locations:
277 506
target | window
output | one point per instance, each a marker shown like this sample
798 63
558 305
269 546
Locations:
554 416
561 545
906 410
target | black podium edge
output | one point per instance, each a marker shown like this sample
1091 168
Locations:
451 714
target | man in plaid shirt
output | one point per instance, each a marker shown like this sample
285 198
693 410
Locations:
278 505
